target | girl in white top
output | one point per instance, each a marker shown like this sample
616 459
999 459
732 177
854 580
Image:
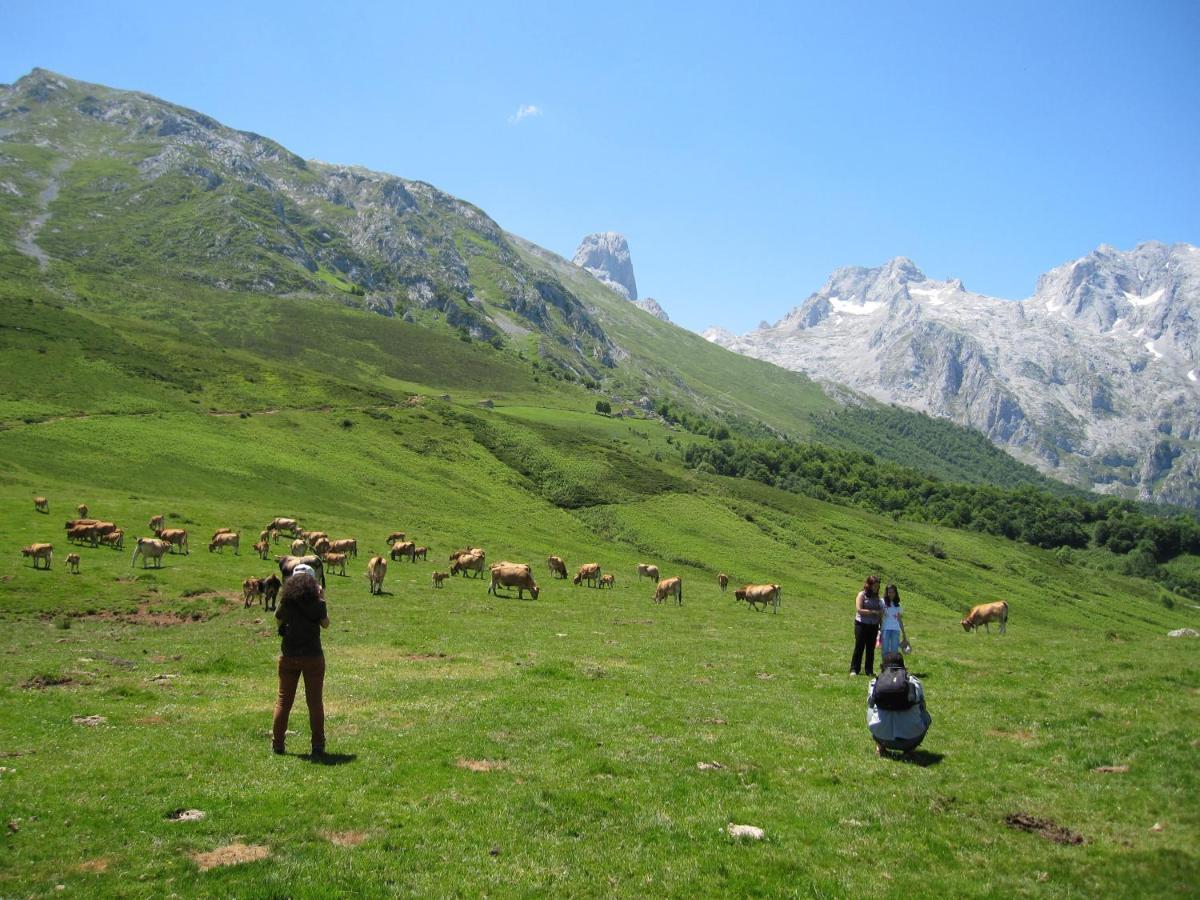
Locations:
893 621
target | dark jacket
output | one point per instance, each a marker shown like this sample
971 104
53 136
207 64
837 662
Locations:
300 625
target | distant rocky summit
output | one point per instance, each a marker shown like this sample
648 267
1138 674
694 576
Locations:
1095 378
606 255
651 306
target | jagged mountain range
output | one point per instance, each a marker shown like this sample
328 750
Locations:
1093 378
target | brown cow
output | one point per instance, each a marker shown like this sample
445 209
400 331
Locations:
270 590
439 577
39 551
376 570
516 575
221 531
985 613
265 534
73 563
114 539
336 559
607 581
395 536
723 581
262 548
288 563
228 539
80 533
669 587
299 547
103 528
345 545
279 523
422 552
41 504
251 587
176 537
588 572
150 548
468 562
81 510
558 568
402 548
157 522
320 545
648 570
754 594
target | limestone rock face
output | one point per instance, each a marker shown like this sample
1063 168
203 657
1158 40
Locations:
1095 378
652 306
606 255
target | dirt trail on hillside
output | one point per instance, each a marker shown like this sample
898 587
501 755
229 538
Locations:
27 236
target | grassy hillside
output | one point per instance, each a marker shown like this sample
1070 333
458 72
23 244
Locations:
483 744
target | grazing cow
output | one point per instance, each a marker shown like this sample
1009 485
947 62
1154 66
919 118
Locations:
669 587
228 539
477 551
103 528
345 545
558 568
402 548
299 547
270 590
336 559
114 539
251 588
41 504
422 552
607 581
439 577
320 545
754 594
265 534
376 570
73 563
468 562
262 548
80 533
176 537
985 613
648 570
288 563
150 548
75 523
39 551
512 575
395 536
81 510
723 581
279 523
157 523
588 572
221 531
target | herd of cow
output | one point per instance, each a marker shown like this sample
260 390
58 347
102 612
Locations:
318 550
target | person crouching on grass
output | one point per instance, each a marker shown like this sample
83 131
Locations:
302 614
896 713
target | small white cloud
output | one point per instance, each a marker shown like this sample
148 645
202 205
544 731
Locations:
524 111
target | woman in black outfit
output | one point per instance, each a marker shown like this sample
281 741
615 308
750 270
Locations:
868 610
301 614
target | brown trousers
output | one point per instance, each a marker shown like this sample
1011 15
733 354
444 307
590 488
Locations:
290 670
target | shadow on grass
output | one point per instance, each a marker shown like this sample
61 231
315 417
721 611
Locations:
330 759
922 758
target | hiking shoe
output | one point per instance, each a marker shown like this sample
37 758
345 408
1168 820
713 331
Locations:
278 751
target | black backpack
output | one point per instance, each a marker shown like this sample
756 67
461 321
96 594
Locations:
891 689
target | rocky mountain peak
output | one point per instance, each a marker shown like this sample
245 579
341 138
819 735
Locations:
606 255
653 307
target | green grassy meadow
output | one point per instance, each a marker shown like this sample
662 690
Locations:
586 712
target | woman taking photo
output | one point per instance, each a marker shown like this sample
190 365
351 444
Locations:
868 610
301 614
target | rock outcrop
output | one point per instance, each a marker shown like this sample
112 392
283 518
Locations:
606 255
652 306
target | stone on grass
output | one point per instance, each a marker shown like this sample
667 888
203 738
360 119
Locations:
752 832
1184 632
89 721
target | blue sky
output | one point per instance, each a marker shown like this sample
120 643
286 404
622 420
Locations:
744 149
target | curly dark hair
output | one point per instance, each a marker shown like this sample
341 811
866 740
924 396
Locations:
299 588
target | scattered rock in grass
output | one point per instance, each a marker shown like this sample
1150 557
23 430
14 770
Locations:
230 855
764 676
162 678
480 765
1157 827
41 682
752 832
1047 828
495 851
1111 770
1043 877
1184 633
186 815
344 838
95 866
13 826
89 721
709 766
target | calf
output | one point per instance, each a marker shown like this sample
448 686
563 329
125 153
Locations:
114 539
270 590
439 577
251 588
73 563
338 560
262 548
558 568
81 510
422 552
607 581
44 552
157 523
985 613
346 545
723 581
41 504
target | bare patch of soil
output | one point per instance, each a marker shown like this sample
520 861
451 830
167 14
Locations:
420 657
480 765
41 682
150 720
96 866
147 616
89 721
1111 770
1047 828
344 838
231 855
